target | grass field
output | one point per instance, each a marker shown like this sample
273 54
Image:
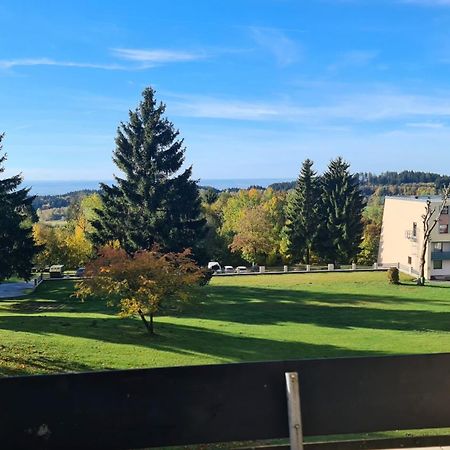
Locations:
242 319
12 280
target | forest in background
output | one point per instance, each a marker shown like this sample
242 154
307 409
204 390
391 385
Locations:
64 219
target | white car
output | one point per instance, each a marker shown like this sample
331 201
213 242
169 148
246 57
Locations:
241 269
228 269
215 266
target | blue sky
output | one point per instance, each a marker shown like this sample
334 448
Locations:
255 86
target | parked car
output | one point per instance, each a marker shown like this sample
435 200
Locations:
228 269
80 272
215 266
56 271
241 269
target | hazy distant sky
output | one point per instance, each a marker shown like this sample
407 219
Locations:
255 86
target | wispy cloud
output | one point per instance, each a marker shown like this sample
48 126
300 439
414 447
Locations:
357 108
426 125
218 108
139 58
151 57
428 2
276 42
355 58
24 62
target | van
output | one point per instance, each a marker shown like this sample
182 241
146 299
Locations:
56 271
215 266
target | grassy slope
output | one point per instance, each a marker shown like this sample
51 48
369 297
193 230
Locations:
242 319
12 280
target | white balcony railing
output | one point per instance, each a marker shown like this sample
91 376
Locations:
409 234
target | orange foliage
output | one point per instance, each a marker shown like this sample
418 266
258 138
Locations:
144 283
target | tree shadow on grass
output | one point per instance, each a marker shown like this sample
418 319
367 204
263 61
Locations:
175 338
266 306
68 305
56 296
428 285
259 306
14 365
241 305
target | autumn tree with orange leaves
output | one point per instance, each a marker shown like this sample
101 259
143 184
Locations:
143 284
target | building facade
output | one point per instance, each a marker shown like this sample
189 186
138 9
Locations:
401 240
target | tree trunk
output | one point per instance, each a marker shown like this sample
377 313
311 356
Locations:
421 280
148 325
152 330
308 256
427 229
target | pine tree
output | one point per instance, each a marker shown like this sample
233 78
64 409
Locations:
152 203
340 209
17 246
301 214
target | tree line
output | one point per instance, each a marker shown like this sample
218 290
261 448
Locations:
155 202
145 236
369 181
404 177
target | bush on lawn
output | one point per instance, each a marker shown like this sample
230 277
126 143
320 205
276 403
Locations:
143 283
393 275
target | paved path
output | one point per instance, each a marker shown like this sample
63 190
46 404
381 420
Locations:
10 290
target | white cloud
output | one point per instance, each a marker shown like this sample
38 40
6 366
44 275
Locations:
149 57
284 49
371 107
428 2
355 58
214 108
11 63
142 59
366 151
426 125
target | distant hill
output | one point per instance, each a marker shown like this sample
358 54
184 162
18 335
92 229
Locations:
59 201
409 179
406 177
283 186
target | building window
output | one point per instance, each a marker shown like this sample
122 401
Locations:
443 228
438 246
409 260
437 265
445 210
414 230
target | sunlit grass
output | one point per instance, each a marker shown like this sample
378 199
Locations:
245 318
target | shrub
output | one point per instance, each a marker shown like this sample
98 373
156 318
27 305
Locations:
206 277
393 275
144 283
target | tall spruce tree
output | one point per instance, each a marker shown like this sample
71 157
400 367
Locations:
154 203
301 215
17 246
341 206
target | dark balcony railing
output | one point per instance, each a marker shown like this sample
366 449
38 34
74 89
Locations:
440 256
226 403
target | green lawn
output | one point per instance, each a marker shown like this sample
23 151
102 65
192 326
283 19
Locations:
13 280
245 318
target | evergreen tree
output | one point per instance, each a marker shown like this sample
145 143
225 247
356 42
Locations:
301 214
17 246
340 209
153 203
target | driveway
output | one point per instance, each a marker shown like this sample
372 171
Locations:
10 290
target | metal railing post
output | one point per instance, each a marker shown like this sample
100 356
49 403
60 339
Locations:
294 412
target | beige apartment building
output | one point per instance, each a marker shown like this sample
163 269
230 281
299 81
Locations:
402 237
